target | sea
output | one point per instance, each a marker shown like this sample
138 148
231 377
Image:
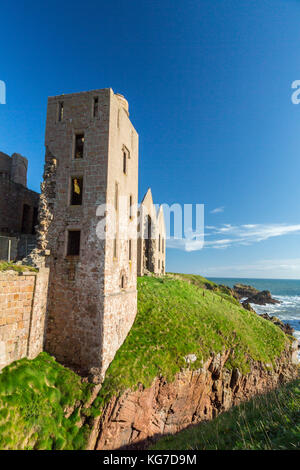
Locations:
287 291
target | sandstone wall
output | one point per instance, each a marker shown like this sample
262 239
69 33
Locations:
23 299
151 252
13 196
92 296
138 417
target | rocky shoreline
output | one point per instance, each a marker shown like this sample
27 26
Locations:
252 295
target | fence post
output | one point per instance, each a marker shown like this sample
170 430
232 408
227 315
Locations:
9 250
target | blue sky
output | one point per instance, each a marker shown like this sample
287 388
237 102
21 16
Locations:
209 88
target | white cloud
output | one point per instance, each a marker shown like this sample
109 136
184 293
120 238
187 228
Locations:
217 210
266 268
251 233
235 235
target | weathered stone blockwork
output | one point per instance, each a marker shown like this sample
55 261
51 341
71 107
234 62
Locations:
18 204
23 301
151 246
92 296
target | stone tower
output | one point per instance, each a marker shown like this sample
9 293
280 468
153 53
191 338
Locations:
91 160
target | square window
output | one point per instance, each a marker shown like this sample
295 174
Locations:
79 145
73 248
76 191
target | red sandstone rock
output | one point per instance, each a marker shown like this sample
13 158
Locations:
137 417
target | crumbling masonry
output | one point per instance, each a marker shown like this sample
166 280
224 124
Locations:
92 160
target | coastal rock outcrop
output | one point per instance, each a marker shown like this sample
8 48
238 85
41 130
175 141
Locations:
138 417
253 295
262 298
286 327
243 290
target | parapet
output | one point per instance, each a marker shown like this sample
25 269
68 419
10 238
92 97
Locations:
123 102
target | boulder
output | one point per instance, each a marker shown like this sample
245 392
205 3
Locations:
262 298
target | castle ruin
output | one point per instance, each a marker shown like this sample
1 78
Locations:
91 164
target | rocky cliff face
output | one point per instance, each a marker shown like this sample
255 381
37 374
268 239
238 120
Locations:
136 418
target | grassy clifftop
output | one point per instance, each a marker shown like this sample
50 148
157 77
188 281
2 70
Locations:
175 318
42 404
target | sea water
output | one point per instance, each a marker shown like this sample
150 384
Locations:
287 291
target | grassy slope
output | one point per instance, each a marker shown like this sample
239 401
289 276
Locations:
175 318
267 422
33 397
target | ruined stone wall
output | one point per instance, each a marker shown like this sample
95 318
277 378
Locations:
23 301
13 196
89 314
161 243
75 309
120 301
151 256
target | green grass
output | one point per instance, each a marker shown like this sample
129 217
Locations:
176 318
267 422
34 395
5 266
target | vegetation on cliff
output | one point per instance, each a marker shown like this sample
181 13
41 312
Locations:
44 405
177 316
35 398
267 422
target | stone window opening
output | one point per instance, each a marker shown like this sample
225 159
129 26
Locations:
60 111
123 281
115 248
126 156
159 264
130 250
148 244
130 208
76 191
163 245
79 146
73 246
96 106
159 242
124 163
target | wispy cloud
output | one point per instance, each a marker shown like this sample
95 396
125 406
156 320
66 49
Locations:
228 235
264 268
248 234
217 210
